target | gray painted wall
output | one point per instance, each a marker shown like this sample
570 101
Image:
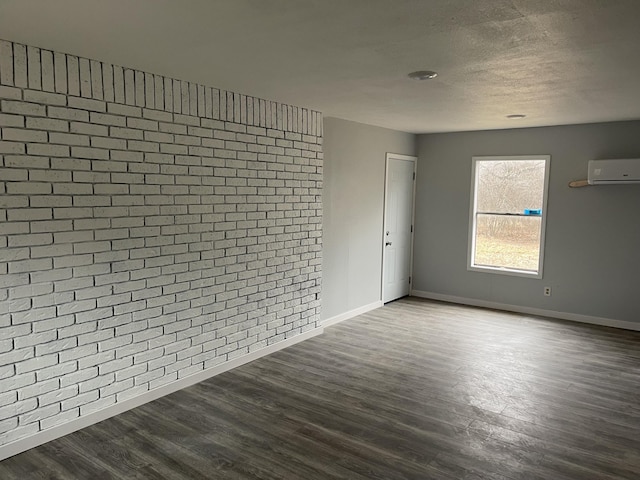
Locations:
592 256
354 166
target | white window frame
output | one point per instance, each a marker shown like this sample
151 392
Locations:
472 217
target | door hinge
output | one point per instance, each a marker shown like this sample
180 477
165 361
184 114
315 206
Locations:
414 175
409 279
411 228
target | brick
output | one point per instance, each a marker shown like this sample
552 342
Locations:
17 382
143 146
30 265
7 398
110 143
12 120
60 72
20 65
6 62
73 75
108 82
129 87
142 124
148 376
68 114
131 372
53 347
57 396
6 345
31 239
89 129
87 104
139 88
78 377
18 408
36 363
13 175
11 147
50 124
77 401
117 387
115 365
38 389
48 150
132 392
97 382
93 360
59 419
39 414
22 135
107 119
90 153
66 213
45 98
55 371
78 352
50 276
118 84
85 77
96 80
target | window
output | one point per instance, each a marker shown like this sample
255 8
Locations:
508 213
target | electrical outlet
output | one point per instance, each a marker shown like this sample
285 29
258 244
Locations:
547 291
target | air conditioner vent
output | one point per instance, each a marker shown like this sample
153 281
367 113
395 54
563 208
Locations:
610 172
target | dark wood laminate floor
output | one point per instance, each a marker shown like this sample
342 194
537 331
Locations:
414 390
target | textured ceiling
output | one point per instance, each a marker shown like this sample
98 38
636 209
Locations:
557 61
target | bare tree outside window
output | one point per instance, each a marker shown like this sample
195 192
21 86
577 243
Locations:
508 213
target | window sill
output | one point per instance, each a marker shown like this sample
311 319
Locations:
505 271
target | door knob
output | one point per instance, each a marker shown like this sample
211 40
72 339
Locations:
387 244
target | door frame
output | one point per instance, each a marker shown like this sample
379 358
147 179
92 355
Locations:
410 158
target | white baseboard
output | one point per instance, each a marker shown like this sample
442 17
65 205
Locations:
350 314
39 438
574 317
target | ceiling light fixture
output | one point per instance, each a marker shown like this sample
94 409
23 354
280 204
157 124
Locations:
516 116
422 75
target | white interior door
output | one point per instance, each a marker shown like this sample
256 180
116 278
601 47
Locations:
398 227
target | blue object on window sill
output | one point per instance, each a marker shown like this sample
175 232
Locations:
533 211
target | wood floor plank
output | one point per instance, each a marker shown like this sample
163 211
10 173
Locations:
414 390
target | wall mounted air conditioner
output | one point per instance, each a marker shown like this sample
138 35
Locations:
610 172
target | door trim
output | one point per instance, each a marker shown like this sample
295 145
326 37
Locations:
410 158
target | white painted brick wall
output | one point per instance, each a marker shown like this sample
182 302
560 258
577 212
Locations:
149 228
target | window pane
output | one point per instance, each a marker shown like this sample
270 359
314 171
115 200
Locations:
510 186
510 242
